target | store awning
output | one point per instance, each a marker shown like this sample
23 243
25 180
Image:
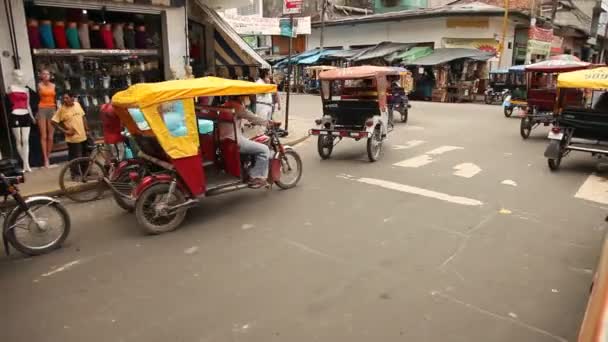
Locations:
296 58
440 56
230 49
381 50
412 54
315 58
342 54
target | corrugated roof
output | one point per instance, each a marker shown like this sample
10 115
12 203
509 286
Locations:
381 50
440 56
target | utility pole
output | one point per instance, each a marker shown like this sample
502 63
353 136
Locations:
289 70
532 24
321 36
505 25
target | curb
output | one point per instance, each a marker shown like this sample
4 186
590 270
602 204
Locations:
59 193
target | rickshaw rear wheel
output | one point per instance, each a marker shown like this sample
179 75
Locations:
148 209
508 111
374 145
325 145
525 127
554 163
292 161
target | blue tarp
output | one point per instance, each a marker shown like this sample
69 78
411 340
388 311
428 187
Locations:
315 58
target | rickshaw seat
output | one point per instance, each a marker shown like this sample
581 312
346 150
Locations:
231 153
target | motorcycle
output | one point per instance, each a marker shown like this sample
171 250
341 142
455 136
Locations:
34 226
492 96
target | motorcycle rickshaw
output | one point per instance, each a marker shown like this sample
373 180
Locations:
580 126
196 149
542 92
498 86
518 90
312 84
354 106
398 89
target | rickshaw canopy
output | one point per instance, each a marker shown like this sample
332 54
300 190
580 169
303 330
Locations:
359 72
147 94
168 108
551 66
587 79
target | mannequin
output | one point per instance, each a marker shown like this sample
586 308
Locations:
46 110
20 117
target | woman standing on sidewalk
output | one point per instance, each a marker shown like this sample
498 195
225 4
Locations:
46 110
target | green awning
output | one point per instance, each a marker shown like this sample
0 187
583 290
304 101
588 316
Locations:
413 54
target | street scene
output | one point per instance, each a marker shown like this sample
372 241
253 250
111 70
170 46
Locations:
460 232
287 170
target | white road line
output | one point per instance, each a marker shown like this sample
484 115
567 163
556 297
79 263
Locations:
426 158
595 189
466 170
62 268
419 191
409 144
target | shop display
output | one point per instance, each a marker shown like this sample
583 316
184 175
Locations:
33 34
47 106
46 34
61 41
72 35
130 36
141 38
118 35
107 37
95 37
83 34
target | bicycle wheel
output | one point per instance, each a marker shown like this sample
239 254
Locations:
81 179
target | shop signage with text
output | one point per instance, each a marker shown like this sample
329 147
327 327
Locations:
292 6
539 41
247 25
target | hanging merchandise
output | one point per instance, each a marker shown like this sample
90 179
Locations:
33 34
130 36
141 37
72 34
118 35
106 36
61 40
95 36
46 34
83 34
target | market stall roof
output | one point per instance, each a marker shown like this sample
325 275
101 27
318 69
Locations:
296 58
521 67
143 95
358 72
230 49
440 56
343 54
558 65
412 54
314 58
588 79
274 59
381 50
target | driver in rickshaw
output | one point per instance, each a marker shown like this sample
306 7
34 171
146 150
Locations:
259 172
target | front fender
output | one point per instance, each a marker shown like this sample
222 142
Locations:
554 149
122 166
149 181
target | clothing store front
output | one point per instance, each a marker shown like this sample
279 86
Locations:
92 49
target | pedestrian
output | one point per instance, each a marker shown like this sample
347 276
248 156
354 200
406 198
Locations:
112 131
70 119
264 102
276 100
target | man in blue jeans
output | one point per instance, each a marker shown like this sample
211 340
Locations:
259 173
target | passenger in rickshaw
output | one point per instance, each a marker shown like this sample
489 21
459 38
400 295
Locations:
260 151
602 103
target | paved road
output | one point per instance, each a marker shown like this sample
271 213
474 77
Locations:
398 250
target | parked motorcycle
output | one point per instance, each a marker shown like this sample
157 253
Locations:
34 226
492 96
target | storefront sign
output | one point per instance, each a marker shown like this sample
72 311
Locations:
537 47
556 45
248 25
292 6
489 45
287 30
540 41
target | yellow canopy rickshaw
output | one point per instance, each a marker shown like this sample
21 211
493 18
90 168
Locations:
586 79
151 97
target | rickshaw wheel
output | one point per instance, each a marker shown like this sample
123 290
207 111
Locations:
487 99
374 145
325 145
508 111
525 128
291 164
148 209
554 163
128 205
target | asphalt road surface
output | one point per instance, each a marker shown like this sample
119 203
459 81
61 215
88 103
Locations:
459 233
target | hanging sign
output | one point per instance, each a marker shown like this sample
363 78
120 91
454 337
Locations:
539 41
287 30
292 6
259 26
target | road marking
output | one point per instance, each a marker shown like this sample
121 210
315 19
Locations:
416 191
426 158
62 268
409 144
191 250
595 189
508 182
466 170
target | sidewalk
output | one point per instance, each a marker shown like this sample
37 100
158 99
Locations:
45 182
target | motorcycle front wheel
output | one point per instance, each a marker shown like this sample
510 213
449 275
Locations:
40 231
291 170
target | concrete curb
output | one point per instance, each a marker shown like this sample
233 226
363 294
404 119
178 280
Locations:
59 193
